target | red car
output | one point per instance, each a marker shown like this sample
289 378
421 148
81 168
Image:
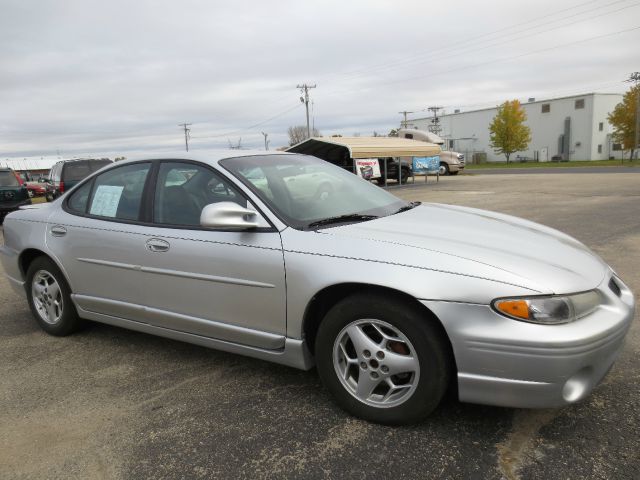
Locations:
36 189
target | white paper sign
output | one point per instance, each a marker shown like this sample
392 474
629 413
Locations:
106 200
368 168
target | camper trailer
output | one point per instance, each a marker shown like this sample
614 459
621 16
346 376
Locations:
451 163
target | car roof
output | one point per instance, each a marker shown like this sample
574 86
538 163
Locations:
211 157
69 160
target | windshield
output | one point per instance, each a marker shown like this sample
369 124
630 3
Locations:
8 179
303 190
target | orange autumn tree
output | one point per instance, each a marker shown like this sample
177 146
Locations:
509 134
623 120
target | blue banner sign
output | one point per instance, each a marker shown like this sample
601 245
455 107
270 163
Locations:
425 165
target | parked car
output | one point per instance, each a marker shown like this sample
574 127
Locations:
13 192
393 301
65 174
36 189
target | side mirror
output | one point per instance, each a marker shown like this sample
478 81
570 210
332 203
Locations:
227 216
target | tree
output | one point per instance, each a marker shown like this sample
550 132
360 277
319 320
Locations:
623 120
298 134
509 134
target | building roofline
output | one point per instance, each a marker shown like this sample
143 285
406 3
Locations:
547 100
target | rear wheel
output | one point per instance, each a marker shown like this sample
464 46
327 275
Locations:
382 360
49 298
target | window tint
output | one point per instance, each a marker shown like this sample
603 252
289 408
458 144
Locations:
118 192
75 171
184 189
8 179
79 199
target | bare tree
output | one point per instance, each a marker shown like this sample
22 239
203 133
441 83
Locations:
298 134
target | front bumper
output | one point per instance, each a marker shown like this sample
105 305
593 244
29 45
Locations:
517 364
9 260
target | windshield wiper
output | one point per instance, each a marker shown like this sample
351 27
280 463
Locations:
351 217
407 207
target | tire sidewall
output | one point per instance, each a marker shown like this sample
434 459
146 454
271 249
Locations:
417 327
69 320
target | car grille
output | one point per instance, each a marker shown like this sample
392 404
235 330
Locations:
7 195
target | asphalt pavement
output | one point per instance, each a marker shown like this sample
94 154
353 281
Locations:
111 403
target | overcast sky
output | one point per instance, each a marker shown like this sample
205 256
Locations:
115 76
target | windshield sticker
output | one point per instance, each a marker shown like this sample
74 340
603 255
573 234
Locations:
106 200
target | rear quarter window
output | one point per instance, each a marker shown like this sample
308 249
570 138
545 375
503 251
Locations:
8 179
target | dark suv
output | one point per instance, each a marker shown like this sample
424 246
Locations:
67 173
13 192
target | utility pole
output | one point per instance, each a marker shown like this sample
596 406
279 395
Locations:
266 142
435 126
635 78
304 89
404 122
187 132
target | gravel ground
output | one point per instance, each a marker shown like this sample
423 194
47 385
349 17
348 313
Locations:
110 403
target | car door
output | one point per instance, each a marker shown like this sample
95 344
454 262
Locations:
94 237
227 285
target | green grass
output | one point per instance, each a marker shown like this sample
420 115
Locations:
572 164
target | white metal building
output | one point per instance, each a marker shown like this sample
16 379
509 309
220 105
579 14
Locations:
575 128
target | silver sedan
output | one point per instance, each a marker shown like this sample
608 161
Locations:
288 258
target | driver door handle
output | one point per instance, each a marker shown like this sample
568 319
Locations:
157 245
58 231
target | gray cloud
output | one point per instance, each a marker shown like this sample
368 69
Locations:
89 76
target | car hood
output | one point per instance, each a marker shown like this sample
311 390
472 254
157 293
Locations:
478 243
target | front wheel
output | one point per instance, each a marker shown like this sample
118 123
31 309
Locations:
49 298
444 169
383 361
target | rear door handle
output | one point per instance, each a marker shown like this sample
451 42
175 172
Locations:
58 231
157 245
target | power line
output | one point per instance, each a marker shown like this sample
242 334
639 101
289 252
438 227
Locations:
498 60
236 132
476 39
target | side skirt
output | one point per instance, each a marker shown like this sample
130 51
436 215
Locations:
294 354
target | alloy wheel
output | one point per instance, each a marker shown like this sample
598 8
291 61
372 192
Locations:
376 363
47 297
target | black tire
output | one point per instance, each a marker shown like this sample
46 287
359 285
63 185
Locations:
48 197
430 345
454 173
68 321
444 169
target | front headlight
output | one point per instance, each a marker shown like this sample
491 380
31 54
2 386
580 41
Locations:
549 310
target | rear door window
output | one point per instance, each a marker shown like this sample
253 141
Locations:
117 193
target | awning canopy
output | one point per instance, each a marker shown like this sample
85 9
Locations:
364 147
